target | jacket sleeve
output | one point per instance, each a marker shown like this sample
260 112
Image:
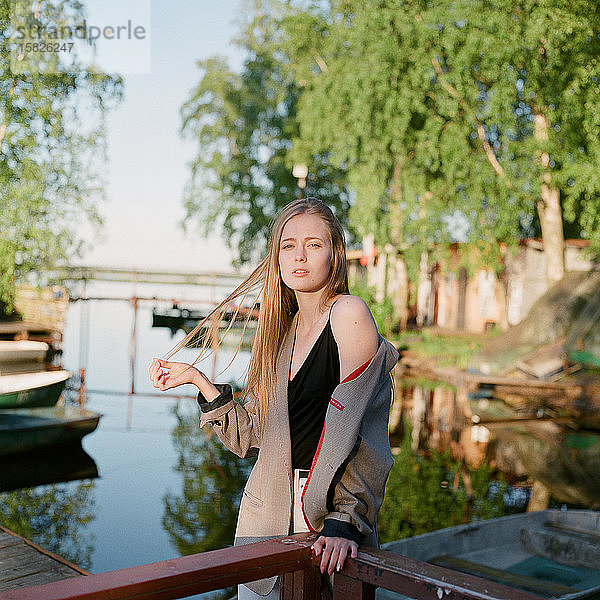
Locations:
236 424
356 493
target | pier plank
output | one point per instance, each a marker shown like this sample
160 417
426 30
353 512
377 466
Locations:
23 563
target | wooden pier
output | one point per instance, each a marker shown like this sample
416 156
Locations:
25 564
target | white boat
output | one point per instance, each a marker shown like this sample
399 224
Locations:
24 390
551 553
22 356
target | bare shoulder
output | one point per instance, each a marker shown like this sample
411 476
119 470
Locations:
350 308
354 331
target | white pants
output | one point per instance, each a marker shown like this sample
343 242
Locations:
298 526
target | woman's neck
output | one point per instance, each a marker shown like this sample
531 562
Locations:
311 308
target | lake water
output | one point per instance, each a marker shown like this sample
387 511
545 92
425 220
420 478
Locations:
142 449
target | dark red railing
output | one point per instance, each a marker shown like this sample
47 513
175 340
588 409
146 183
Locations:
292 558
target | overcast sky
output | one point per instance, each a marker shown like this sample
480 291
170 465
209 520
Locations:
148 159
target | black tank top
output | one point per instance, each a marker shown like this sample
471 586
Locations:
309 393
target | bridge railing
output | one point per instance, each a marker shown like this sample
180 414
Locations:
292 558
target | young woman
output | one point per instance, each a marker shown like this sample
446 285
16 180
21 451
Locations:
319 392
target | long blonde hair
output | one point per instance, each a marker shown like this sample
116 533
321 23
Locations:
277 301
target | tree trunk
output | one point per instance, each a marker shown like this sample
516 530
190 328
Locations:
3 126
550 212
552 233
397 274
381 277
423 290
424 285
398 287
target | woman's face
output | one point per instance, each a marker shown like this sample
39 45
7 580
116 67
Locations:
305 253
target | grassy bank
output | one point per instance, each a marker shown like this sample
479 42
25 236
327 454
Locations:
446 349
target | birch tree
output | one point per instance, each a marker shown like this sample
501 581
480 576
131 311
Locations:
51 146
244 124
480 116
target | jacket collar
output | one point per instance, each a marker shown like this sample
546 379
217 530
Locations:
278 416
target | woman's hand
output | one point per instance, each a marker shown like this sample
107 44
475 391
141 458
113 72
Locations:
335 550
178 374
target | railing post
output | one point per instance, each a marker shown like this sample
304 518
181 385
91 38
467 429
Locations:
346 587
301 585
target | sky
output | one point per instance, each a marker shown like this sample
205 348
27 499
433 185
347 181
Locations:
148 160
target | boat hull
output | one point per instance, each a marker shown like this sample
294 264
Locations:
524 551
30 390
27 430
21 351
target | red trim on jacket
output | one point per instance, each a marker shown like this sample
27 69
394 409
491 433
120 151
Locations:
337 404
357 372
312 466
350 377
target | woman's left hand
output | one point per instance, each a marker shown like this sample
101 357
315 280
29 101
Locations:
166 375
334 551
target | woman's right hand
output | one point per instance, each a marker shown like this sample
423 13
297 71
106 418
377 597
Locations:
177 373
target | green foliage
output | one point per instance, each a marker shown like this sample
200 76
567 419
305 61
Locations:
382 312
449 350
420 496
430 106
427 110
244 124
55 517
52 147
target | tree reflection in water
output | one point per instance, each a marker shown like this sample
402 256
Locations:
55 517
203 516
430 490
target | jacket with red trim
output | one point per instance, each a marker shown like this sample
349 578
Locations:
353 460
350 469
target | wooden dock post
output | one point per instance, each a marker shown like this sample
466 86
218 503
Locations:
133 344
82 391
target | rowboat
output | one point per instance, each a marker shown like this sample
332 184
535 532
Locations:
186 319
32 389
28 429
551 553
23 355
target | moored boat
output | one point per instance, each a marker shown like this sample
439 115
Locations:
29 429
22 355
186 319
551 553
32 389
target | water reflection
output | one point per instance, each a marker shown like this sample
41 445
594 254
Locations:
479 431
55 517
203 515
564 460
54 465
432 489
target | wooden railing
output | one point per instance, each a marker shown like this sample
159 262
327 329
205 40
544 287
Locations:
292 558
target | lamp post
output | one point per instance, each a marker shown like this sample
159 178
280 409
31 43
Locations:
300 172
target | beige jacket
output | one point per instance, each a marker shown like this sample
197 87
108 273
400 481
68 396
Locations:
351 465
